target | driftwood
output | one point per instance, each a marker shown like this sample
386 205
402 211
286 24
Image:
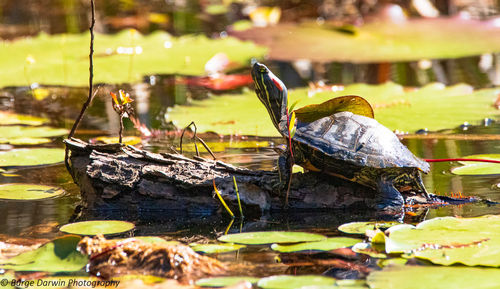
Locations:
124 177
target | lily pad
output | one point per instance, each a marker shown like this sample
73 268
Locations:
288 281
29 135
379 41
324 245
395 107
128 140
225 281
10 118
28 192
258 238
91 228
127 56
479 168
352 103
222 146
361 227
31 157
59 255
431 277
216 248
449 240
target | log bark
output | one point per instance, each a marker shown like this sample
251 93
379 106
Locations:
126 178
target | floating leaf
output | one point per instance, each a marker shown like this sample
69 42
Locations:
91 228
325 245
361 227
479 168
257 238
431 277
352 103
223 146
28 192
117 60
288 281
31 157
379 41
449 240
216 248
225 281
128 140
395 107
10 118
368 249
21 135
59 255
25 140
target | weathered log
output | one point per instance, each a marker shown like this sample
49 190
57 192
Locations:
124 177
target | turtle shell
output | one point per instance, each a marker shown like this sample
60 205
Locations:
357 140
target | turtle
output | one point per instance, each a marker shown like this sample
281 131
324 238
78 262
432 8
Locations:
346 145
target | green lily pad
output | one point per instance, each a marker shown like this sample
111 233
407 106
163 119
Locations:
225 281
31 157
380 41
29 135
352 103
479 168
224 145
124 57
288 281
128 140
25 140
216 248
324 245
431 277
449 240
28 192
10 118
368 249
59 255
361 227
91 228
258 238
395 107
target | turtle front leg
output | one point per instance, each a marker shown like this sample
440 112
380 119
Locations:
389 196
284 170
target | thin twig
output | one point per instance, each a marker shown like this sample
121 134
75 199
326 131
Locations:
121 129
222 200
206 147
91 88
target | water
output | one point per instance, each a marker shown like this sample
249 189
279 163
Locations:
242 151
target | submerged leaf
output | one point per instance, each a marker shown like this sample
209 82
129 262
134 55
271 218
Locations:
91 228
352 103
256 238
60 255
28 192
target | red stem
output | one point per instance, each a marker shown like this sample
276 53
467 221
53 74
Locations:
462 160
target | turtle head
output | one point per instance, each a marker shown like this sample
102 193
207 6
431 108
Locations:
273 94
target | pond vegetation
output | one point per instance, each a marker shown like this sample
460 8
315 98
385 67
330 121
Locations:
436 88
